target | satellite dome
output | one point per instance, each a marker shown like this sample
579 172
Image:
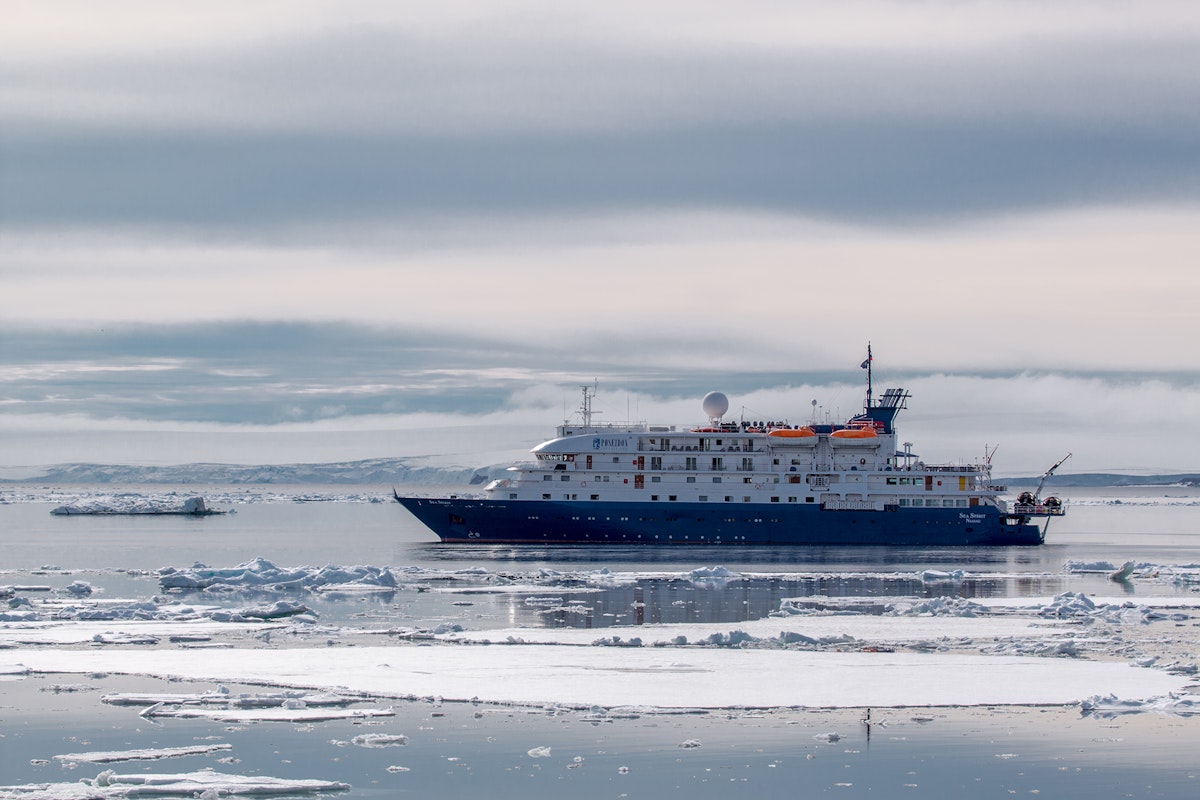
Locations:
715 405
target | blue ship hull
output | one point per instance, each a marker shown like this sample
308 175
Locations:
462 520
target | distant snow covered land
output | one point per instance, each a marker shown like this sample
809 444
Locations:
378 471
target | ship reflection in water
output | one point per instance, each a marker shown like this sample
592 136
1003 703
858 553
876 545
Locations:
654 600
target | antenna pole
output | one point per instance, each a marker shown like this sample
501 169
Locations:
586 409
867 366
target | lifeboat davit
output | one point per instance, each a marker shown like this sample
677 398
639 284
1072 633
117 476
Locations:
854 437
801 437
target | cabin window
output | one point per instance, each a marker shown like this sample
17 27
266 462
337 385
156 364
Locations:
512 495
691 479
791 499
891 481
564 477
690 463
903 501
656 479
745 498
774 499
653 497
671 498
595 497
703 498
747 480
729 499
655 462
809 500
545 497
547 477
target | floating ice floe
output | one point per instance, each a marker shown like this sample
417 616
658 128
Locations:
151 754
1079 606
1187 575
260 574
940 607
221 696
290 711
204 784
380 740
1111 706
278 610
938 576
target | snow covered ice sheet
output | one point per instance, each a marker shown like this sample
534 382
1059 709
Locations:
646 677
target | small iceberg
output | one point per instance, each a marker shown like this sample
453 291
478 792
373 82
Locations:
137 505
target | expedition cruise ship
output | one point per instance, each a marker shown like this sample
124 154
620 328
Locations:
740 483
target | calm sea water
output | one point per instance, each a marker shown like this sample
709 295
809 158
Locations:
459 749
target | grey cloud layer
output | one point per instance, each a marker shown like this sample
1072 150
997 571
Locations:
879 173
373 126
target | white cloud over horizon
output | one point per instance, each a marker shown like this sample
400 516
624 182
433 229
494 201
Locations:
1111 424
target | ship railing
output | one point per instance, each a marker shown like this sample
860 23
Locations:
1039 510
952 468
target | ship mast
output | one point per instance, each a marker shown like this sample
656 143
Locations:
867 366
585 410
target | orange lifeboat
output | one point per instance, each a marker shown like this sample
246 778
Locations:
803 437
855 437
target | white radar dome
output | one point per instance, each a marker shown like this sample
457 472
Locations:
715 405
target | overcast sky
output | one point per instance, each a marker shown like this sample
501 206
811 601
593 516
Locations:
304 231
